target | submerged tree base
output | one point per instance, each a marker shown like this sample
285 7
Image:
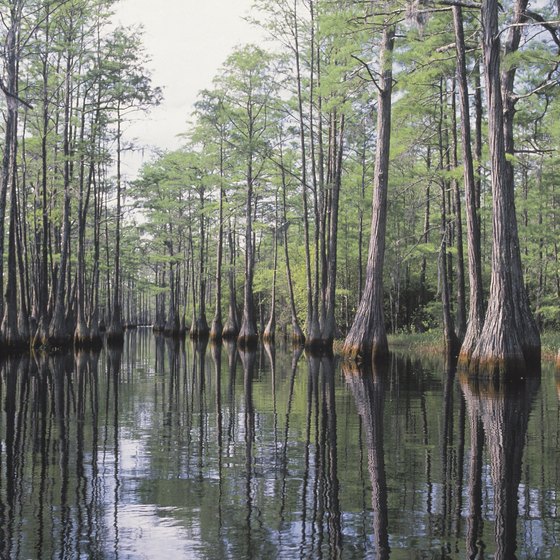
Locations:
375 352
216 330
319 347
248 342
14 346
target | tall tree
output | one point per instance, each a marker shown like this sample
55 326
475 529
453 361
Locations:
505 342
367 337
128 89
476 306
250 85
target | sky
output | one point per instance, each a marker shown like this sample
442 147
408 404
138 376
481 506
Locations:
187 40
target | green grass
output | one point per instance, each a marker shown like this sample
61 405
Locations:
431 342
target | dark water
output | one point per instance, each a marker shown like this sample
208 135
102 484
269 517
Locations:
166 451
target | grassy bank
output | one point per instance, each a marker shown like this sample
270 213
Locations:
431 342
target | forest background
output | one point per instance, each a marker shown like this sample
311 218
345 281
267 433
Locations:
261 224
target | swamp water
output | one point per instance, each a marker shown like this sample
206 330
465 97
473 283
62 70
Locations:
166 450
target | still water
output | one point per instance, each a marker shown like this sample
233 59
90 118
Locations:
165 450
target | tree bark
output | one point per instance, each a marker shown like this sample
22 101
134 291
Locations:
217 325
502 348
231 326
115 332
367 337
528 331
476 305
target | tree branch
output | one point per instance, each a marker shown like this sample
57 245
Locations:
366 66
13 96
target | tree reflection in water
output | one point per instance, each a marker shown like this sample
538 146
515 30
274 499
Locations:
172 449
53 503
368 387
503 409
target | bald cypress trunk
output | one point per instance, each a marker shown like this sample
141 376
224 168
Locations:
476 307
269 332
504 342
367 337
528 331
248 332
231 326
58 333
297 334
115 331
10 337
217 326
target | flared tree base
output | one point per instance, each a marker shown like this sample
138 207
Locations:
216 330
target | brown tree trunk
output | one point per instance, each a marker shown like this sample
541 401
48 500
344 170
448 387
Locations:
58 333
248 332
270 329
328 326
298 337
461 315
231 326
527 328
217 326
503 347
476 305
115 332
199 328
450 337
367 337
10 339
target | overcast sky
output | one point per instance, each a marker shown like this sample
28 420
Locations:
188 40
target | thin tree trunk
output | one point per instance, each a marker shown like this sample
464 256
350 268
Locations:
248 332
450 337
461 315
298 337
115 333
217 326
231 327
199 328
270 329
58 333
328 327
476 304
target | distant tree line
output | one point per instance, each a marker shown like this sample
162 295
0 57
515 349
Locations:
385 167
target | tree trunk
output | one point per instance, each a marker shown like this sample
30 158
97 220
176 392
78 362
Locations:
450 337
461 315
367 337
199 328
248 332
328 326
115 333
527 328
58 333
270 329
217 326
503 346
298 338
231 327
10 339
476 306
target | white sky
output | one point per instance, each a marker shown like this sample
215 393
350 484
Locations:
187 40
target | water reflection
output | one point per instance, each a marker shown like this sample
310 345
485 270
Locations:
368 388
503 410
183 450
